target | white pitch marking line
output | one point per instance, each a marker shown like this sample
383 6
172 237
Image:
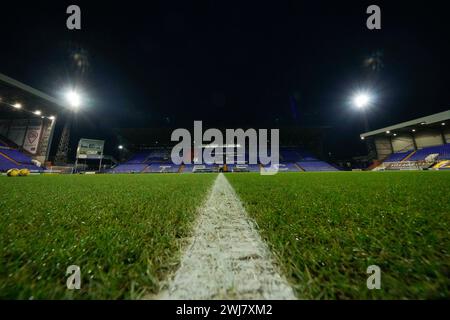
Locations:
227 258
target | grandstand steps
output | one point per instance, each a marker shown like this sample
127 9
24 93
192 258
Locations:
9 158
409 156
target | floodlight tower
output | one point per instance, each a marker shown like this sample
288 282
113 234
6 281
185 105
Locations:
74 100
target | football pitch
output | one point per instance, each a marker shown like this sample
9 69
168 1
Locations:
124 231
127 232
327 228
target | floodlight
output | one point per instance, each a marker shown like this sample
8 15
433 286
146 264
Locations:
361 100
17 105
37 112
120 147
73 98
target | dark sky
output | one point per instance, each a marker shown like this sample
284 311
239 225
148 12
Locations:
230 63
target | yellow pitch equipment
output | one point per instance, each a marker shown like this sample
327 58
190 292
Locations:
12 172
24 172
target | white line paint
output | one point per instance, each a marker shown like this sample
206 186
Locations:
226 259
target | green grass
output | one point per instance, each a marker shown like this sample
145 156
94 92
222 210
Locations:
124 231
327 228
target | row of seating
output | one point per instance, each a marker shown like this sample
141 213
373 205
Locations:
316 166
422 158
443 151
11 158
292 160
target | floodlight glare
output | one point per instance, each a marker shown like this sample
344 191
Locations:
17 105
120 147
52 117
73 98
361 100
37 112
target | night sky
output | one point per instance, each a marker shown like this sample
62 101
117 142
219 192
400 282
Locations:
167 63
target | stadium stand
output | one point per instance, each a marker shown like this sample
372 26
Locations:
146 162
139 157
316 166
17 156
128 168
292 159
162 168
243 167
297 159
428 157
417 144
11 158
201 168
159 155
287 167
398 156
443 152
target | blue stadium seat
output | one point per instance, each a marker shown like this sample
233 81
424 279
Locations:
316 166
287 167
128 168
162 168
10 158
398 156
442 150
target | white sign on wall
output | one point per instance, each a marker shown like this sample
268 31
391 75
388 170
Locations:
32 136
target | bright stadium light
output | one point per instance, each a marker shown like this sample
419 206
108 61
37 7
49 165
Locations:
361 100
37 112
120 147
17 105
52 117
73 98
